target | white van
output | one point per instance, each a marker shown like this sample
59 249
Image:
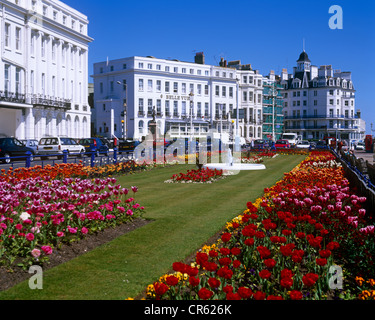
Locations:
292 138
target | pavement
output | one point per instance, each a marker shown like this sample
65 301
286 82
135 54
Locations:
365 155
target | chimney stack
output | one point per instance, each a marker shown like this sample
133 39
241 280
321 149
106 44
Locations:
199 58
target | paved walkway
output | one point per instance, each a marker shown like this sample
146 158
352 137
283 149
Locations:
365 155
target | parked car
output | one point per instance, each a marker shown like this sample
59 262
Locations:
359 146
53 146
31 143
260 144
127 145
321 145
312 144
303 144
95 144
282 144
12 147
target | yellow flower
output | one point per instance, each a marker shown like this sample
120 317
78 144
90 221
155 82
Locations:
359 280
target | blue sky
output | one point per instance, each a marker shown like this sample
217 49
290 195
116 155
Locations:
268 34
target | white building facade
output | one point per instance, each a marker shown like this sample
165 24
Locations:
44 68
320 102
188 99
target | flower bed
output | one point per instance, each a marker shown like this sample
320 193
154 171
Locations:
60 171
286 245
38 214
204 175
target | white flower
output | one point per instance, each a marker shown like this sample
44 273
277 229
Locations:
24 216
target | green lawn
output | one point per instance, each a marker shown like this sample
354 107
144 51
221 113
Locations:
184 217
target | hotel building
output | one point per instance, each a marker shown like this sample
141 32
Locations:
320 102
44 68
189 98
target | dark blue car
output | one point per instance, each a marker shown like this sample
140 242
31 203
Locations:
12 147
97 145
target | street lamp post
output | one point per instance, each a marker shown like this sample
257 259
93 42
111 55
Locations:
191 121
125 103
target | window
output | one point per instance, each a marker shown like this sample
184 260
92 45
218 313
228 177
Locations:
175 108
206 113
217 91
43 83
18 38
141 124
124 66
149 66
191 88
175 69
43 49
183 108
224 91
158 85
55 15
64 20
140 105
183 88
140 84
206 90
140 65
244 96
175 87
199 89
149 86
7 35
167 69
158 67
167 86
32 44
191 71
183 70
251 96
45 10
6 77
101 87
32 81
230 92
167 111
149 106
53 86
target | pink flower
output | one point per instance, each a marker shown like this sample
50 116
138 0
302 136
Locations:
60 234
84 230
362 212
30 237
134 189
35 253
129 212
47 250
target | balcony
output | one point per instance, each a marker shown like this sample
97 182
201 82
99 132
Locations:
7 96
48 101
328 116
